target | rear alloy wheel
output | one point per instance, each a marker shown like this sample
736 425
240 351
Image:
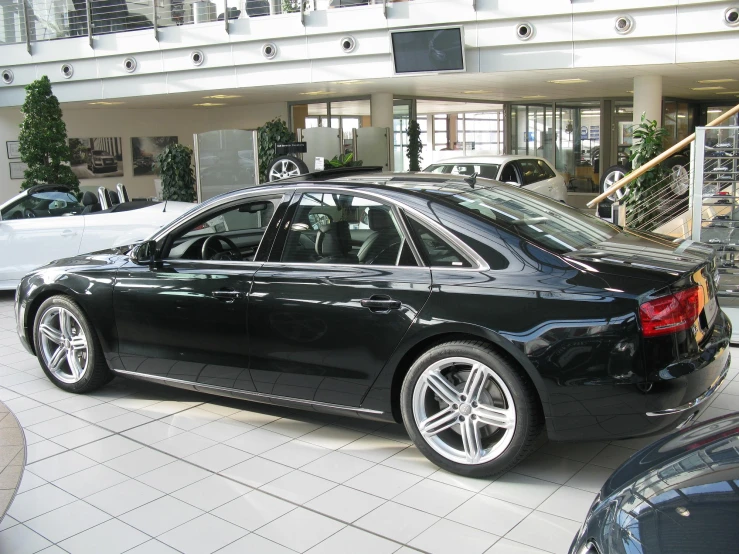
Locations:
468 410
286 166
67 347
610 177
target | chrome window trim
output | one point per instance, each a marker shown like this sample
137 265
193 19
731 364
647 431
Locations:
464 249
245 393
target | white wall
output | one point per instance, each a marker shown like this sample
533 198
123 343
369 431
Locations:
127 123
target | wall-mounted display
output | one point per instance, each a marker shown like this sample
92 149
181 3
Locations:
428 50
13 148
145 151
17 169
97 157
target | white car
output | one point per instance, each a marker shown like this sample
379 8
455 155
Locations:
47 222
529 172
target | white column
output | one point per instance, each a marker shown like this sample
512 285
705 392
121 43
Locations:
381 109
648 98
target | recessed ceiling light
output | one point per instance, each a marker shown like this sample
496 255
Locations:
706 81
681 116
475 92
352 82
716 111
728 92
568 81
630 91
707 88
221 96
210 104
316 93
533 96
103 103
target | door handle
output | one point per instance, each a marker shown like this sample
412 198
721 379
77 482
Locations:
68 233
229 295
380 303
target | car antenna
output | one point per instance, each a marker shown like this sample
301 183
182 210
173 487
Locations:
471 180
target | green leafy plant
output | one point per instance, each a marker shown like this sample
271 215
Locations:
347 160
293 6
43 139
271 133
642 202
414 148
174 164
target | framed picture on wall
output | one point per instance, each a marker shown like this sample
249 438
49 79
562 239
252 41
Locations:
145 151
17 169
13 147
97 157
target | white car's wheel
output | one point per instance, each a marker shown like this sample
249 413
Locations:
610 177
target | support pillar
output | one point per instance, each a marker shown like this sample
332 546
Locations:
648 98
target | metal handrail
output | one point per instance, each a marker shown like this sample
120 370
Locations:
658 160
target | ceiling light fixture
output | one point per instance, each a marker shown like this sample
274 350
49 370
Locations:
221 96
728 92
352 82
707 81
630 91
533 96
104 103
210 104
316 93
475 92
568 81
707 88
716 111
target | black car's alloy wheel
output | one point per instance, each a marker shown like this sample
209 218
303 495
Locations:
468 410
68 348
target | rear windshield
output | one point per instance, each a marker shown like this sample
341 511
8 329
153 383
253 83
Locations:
489 171
548 223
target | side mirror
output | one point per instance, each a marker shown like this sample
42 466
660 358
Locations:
144 253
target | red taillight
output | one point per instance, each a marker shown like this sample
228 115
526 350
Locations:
672 313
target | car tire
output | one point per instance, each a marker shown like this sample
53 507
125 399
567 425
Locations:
678 167
286 166
443 430
610 176
67 347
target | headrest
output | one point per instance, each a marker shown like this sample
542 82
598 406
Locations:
114 199
89 199
379 219
334 240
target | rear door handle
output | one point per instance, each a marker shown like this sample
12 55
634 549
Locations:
229 295
68 233
378 303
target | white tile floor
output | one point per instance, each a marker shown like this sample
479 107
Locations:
143 469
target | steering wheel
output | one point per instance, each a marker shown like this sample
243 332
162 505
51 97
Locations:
27 213
210 252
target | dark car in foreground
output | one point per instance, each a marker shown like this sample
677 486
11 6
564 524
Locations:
474 312
679 495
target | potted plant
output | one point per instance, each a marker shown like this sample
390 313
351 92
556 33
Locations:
43 139
414 148
174 164
268 135
347 160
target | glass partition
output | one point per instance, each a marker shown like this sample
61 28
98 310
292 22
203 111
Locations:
225 161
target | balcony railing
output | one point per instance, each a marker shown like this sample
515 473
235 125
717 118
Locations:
29 21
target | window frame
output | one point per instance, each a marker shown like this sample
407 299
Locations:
281 240
164 241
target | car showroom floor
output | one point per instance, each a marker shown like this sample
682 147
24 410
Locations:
143 469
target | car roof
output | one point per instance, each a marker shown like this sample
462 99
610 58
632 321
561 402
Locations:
501 159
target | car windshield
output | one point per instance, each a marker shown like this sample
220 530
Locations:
489 171
548 223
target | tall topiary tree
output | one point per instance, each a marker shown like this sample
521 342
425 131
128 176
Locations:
271 133
414 148
175 168
43 139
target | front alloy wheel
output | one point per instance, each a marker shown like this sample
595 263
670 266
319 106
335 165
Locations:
63 345
469 410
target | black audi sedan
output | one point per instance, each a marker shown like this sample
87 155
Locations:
475 313
679 495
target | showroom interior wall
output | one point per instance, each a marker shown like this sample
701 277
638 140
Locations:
128 123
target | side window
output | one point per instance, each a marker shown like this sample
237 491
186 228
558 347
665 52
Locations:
438 252
535 171
231 234
44 204
344 229
508 175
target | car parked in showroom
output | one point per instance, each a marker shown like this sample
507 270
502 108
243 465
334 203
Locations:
474 312
528 172
679 495
101 161
48 222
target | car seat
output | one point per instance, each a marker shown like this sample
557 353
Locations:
384 235
334 244
90 203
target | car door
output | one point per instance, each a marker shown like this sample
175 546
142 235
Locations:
183 317
37 229
321 330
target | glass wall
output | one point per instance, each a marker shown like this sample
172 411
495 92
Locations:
346 115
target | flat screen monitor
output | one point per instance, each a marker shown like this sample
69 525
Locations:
428 50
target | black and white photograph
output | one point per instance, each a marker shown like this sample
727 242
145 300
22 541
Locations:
145 151
17 169
13 148
97 157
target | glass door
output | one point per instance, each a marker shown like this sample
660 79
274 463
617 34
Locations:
402 110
